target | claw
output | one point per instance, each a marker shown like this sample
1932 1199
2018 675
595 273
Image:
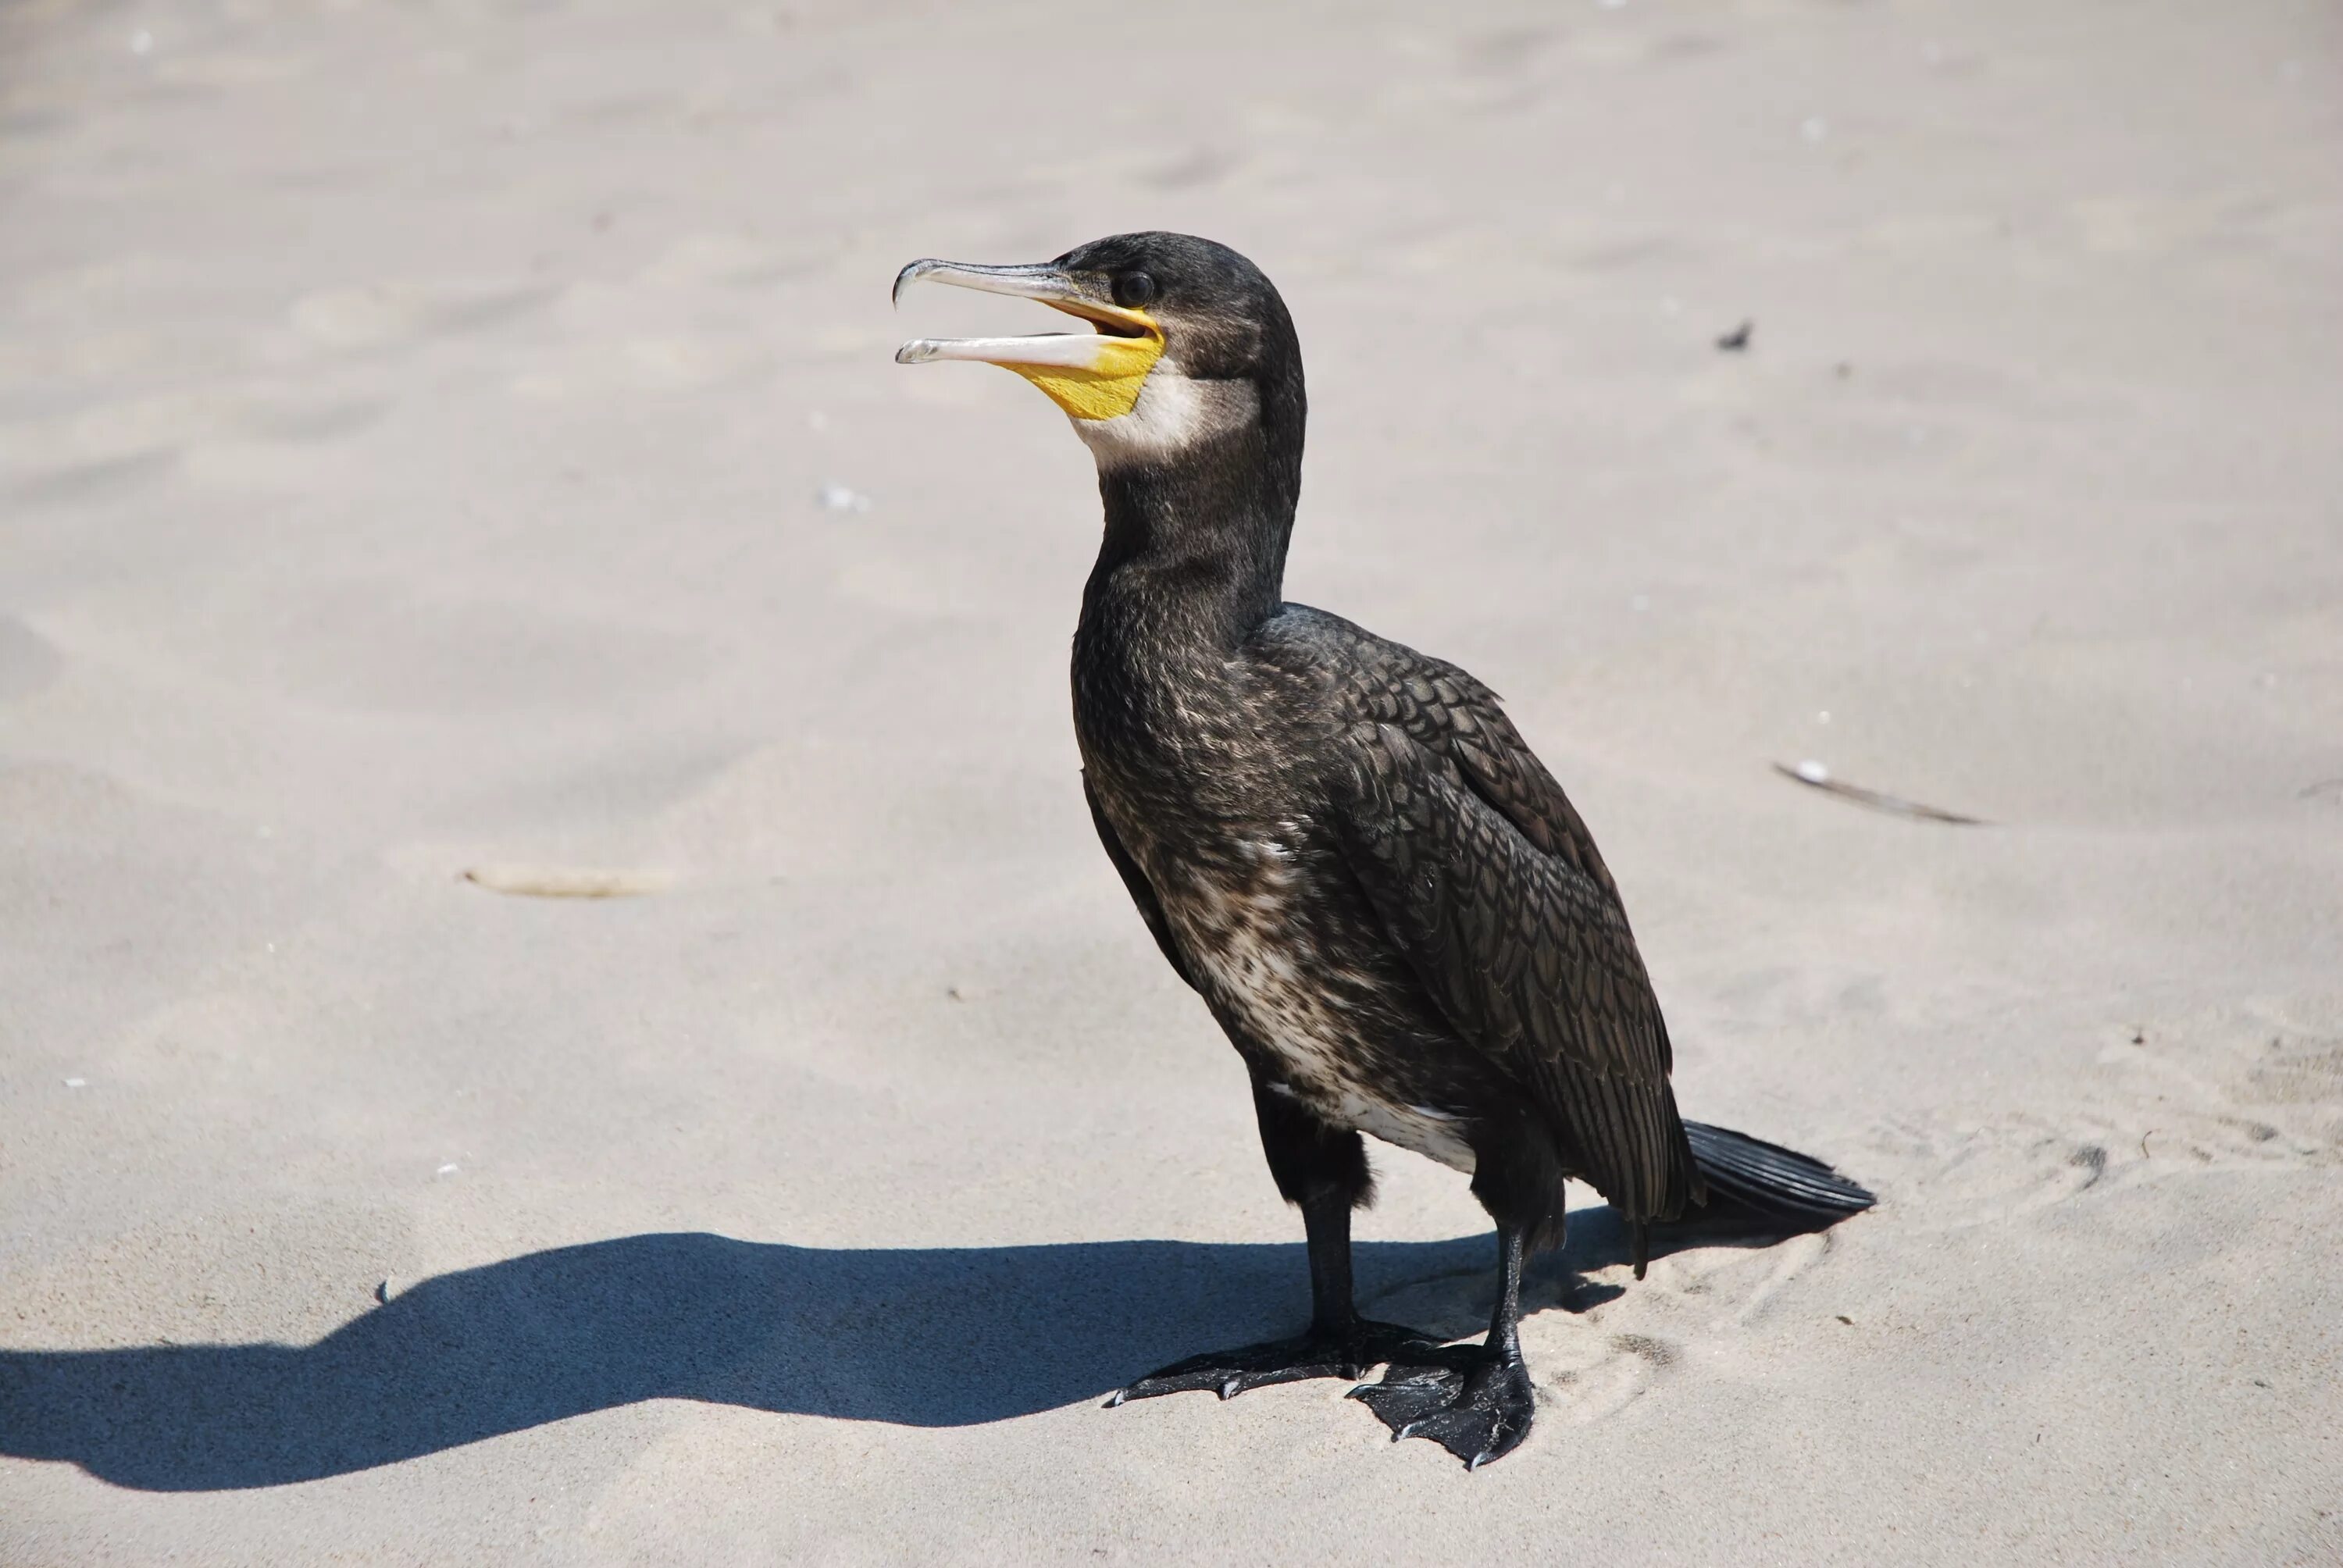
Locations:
1232 1387
1119 1395
1479 1459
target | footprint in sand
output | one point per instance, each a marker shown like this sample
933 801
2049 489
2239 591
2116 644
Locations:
1716 1298
2298 1072
1967 1176
1585 1372
1612 1374
2179 1098
2198 1093
1598 1343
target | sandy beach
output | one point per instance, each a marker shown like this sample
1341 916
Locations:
451 455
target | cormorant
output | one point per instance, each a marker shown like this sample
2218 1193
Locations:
1343 846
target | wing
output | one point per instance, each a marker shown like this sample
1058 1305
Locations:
1142 893
1459 719
1486 882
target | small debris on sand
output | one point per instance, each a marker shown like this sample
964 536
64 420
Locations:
1737 340
568 881
1816 776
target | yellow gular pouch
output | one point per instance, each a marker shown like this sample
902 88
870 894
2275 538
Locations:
1108 387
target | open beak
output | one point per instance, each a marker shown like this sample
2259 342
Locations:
1094 374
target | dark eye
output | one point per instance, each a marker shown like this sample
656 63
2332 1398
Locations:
1134 289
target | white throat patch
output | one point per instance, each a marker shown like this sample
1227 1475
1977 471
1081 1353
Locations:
1172 412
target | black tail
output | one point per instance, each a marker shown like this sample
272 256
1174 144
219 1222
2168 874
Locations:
1747 1175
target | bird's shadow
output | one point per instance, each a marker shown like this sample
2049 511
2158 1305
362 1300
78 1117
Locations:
914 1336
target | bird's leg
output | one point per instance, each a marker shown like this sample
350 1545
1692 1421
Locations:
1324 1170
1326 1227
1337 1344
1334 1320
1476 1403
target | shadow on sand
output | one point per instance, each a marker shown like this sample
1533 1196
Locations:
939 1337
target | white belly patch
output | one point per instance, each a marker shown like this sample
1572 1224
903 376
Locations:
1256 963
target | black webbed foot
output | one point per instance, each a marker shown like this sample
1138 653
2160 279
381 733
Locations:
1350 1353
1475 1403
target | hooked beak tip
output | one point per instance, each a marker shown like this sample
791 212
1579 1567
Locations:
908 277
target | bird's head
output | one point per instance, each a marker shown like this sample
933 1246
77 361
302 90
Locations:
1189 344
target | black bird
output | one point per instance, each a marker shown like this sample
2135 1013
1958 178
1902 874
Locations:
1343 846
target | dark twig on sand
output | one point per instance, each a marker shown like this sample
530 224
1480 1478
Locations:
1815 776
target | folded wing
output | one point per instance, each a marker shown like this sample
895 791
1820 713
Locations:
1486 880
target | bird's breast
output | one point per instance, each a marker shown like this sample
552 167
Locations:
1279 958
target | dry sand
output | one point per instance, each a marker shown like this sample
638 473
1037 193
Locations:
412 421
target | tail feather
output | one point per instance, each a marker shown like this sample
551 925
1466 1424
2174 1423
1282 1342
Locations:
1769 1180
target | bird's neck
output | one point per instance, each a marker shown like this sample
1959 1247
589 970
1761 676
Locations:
1191 563
1193 557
